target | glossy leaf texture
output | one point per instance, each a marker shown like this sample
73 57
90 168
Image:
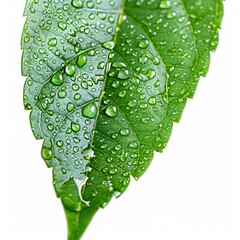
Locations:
105 82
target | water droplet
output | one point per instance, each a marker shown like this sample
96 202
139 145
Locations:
132 103
59 143
77 3
171 15
111 111
150 73
143 43
70 107
50 127
62 25
113 171
122 93
63 170
77 96
26 39
57 79
102 15
165 4
70 70
62 94
101 65
133 145
152 100
82 60
123 74
52 42
47 153
75 127
124 132
90 110
87 135
118 64
108 45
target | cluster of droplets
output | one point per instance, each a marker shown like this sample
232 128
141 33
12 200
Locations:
137 92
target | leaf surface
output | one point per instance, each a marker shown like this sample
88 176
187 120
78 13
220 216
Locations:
105 82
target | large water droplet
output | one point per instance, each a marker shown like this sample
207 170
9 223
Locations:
171 15
75 127
111 111
108 45
124 132
77 3
90 110
82 60
47 153
165 4
52 42
57 79
123 74
143 43
70 70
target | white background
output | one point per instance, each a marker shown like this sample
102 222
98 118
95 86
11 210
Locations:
191 191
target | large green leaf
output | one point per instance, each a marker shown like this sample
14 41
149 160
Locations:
105 82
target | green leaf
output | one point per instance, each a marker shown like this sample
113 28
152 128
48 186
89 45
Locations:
105 82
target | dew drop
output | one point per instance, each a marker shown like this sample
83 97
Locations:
77 3
59 143
75 127
62 25
82 60
108 45
57 79
52 42
123 74
171 15
118 64
70 107
152 100
165 4
113 171
70 70
124 132
143 43
62 94
90 110
47 153
150 74
26 39
111 111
